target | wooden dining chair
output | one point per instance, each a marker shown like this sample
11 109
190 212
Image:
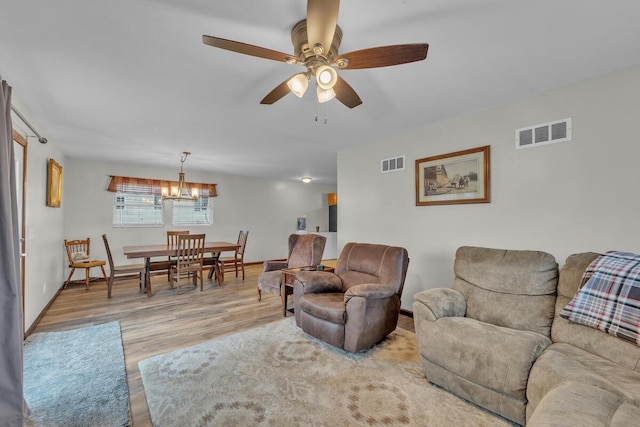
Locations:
236 262
189 263
172 241
79 255
122 272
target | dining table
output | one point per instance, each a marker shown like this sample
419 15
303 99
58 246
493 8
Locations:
164 250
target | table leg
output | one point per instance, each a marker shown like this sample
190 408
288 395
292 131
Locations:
215 268
147 276
219 273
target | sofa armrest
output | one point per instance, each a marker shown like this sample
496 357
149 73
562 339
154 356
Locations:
316 282
274 265
369 291
440 302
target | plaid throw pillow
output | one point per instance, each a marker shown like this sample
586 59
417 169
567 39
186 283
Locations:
610 298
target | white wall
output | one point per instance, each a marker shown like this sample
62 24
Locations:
44 263
562 198
267 208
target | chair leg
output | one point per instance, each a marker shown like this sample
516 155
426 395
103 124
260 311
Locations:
66 282
86 278
109 285
259 294
104 274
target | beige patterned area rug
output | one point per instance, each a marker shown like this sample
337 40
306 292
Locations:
276 375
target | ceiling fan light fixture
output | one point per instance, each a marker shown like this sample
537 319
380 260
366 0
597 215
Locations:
325 95
326 77
298 84
316 41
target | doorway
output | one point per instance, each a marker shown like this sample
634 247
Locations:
20 154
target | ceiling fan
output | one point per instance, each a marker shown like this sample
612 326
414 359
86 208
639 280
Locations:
316 40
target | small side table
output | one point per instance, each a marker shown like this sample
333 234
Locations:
288 279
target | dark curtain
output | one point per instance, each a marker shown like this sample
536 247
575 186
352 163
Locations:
11 328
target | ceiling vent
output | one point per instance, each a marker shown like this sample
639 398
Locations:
544 134
392 164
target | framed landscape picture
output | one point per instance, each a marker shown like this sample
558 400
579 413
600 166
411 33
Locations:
54 184
459 177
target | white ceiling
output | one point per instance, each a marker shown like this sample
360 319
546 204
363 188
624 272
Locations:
132 81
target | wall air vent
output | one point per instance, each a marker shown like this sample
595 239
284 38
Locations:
544 134
392 164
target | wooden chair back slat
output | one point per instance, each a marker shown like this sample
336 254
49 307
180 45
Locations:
242 241
189 261
236 262
172 237
190 250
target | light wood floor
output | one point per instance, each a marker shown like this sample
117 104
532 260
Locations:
166 321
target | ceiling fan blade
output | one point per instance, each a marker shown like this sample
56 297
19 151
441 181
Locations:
281 90
346 94
383 56
322 18
247 49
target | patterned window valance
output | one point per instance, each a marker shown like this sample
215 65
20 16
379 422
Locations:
127 184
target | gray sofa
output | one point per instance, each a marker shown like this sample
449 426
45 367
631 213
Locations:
586 377
496 339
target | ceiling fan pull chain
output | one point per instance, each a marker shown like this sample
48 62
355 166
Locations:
324 107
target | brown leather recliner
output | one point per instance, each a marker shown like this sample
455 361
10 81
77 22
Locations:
357 305
304 250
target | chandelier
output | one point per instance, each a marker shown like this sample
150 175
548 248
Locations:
180 192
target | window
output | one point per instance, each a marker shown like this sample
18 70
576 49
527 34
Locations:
135 210
199 212
137 202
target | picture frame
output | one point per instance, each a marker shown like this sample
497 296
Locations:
54 184
454 178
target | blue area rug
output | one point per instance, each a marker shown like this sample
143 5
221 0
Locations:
77 378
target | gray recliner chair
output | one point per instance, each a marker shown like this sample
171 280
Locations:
357 305
480 338
305 250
